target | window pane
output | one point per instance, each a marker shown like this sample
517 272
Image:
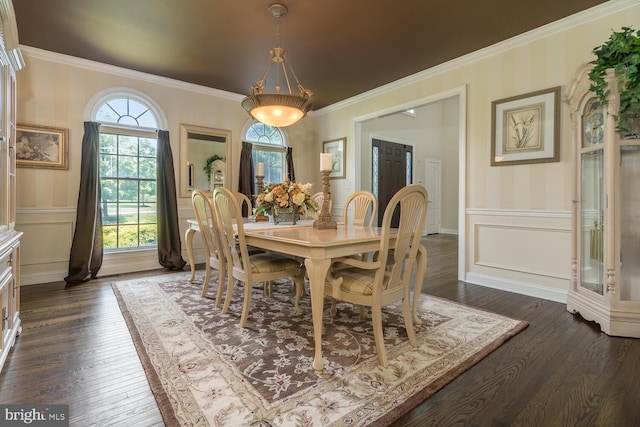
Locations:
147 168
106 115
108 165
128 167
109 189
108 143
148 147
148 213
127 213
128 145
148 235
136 109
148 120
128 190
148 191
128 236
375 170
109 213
109 237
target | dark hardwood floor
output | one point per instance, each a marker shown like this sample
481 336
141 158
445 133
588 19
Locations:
561 371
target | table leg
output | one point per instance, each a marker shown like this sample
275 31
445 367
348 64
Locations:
421 269
317 271
188 238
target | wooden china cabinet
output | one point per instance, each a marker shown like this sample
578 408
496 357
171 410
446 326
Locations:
605 265
10 62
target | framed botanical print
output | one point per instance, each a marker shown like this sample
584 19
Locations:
526 128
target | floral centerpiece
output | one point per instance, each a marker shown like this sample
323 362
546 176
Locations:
286 201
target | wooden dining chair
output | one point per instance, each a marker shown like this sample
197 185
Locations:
364 204
249 269
387 278
244 200
205 215
319 199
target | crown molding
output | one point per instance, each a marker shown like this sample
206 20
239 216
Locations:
580 18
32 52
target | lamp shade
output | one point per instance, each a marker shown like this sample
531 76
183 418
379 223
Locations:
277 109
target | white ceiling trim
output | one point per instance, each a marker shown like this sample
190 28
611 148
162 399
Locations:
32 52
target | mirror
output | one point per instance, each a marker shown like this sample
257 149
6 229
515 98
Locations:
205 158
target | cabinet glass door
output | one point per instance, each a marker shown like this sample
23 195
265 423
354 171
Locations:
592 220
629 275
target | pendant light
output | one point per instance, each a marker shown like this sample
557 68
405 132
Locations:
279 108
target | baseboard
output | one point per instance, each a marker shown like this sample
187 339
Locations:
106 270
529 289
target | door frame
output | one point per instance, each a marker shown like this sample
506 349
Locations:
437 200
461 93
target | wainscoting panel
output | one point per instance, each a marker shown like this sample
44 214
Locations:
46 244
533 252
526 252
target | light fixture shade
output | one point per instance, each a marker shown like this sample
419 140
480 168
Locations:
277 109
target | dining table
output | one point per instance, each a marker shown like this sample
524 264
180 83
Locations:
318 247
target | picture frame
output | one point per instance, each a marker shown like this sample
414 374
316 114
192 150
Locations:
337 147
526 128
42 147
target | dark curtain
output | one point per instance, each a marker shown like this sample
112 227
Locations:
246 174
85 258
290 171
169 247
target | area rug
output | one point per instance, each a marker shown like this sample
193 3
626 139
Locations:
206 370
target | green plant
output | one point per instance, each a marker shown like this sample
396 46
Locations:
621 53
210 160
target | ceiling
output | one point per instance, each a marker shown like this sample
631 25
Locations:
337 48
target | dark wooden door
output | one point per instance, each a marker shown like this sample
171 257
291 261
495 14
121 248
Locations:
394 171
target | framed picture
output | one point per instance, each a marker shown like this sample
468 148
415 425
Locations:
41 147
337 147
526 128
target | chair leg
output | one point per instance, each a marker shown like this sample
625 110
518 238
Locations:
299 288
334 309
227 299
408 321
205 283
245 306
378 335
268 289
221 280
362 312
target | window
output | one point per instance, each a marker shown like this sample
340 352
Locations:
128 160
268 148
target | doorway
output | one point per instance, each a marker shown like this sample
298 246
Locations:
362 176
392 169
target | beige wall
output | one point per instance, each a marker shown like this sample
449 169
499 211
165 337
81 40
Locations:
515 227
54 90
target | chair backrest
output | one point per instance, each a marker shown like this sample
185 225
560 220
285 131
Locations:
205 215
319 199
363 203
243 200
229 221
412 202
